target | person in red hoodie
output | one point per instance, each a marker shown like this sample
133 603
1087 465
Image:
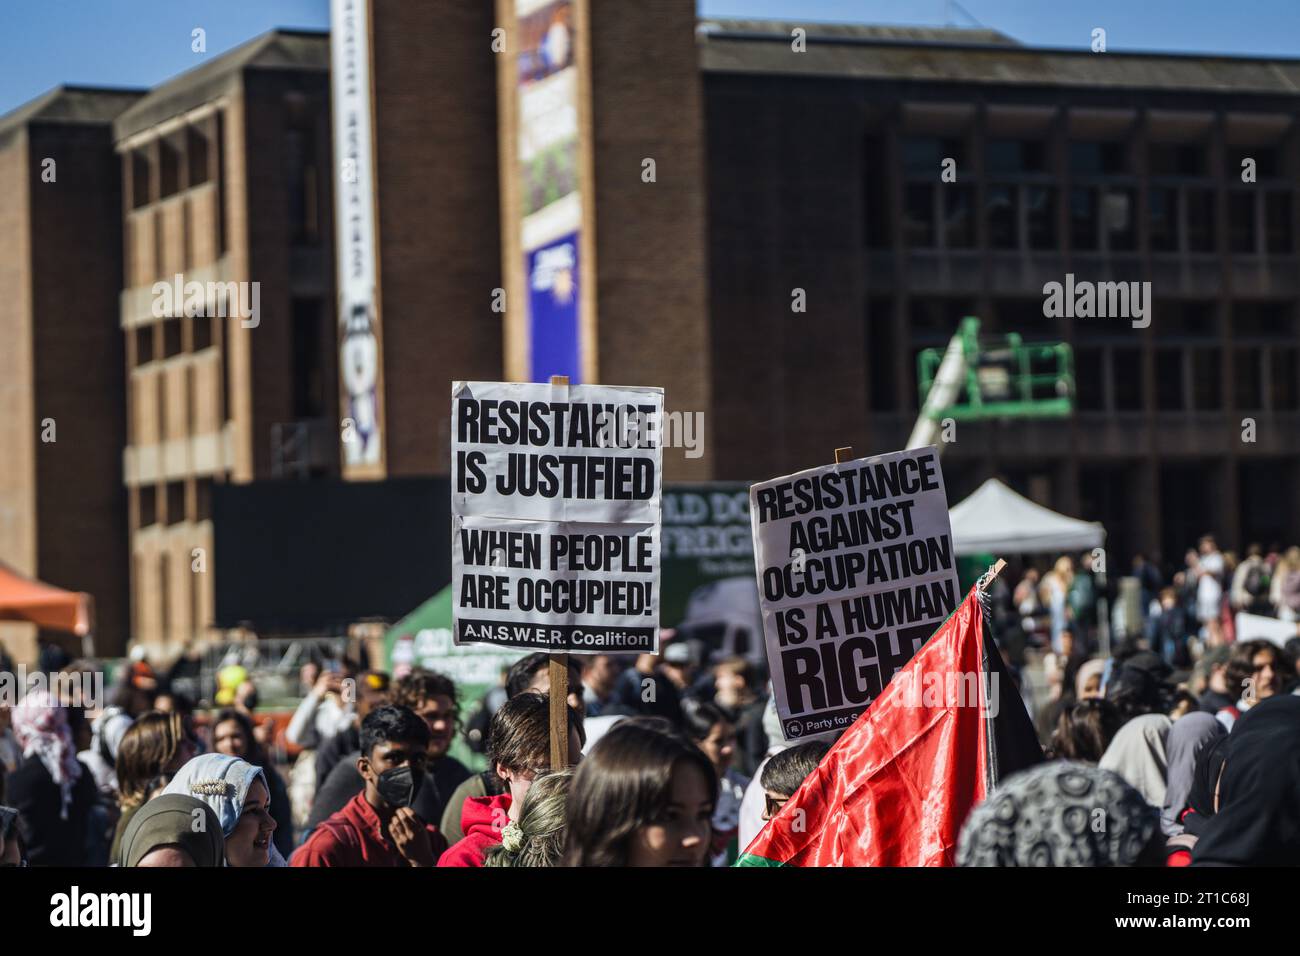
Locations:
377 827
519 748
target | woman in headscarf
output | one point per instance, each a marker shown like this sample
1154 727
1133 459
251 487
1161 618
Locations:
1258 818
1061 814
173 830
238 792
1087 681
1138 755
52 792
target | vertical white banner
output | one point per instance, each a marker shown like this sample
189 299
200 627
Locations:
360 352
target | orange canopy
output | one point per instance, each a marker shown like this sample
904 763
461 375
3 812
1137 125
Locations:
25 599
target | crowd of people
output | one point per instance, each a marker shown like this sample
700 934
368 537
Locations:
1186 737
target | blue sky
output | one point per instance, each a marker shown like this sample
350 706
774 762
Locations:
142 42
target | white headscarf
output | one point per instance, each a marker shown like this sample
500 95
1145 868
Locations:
222 782
1138 755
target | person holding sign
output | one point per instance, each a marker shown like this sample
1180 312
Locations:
520 751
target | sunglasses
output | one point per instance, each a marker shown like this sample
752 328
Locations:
774 804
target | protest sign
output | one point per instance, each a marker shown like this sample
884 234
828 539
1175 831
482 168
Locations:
855 570
556 513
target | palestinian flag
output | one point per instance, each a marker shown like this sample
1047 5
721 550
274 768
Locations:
897 787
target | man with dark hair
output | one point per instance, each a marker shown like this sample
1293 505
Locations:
433 698
529 674
378 827
532 673
785 771
519 748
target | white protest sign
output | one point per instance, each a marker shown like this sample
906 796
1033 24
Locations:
556 504
1256 627
855 570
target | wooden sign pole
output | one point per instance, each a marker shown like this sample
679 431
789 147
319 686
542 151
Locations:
559 673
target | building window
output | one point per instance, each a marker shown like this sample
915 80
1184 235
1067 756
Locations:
1097 159
1248 379
148 505
139 179
1164 219
924 155
918 215
171 329
1285 379
1265 157
196 150
1200 220
1278 223
308 359
1263 319
1207 393
169 169
203 499
1126 366
175 502
1090 379
143 344
1002 215
1014 157
1177 159
1187 320
1169 380
202 332
1040 216
1083 218
1241 221
958 216
1120 206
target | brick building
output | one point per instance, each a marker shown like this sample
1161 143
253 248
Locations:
224 179
778 171
824 175
62 507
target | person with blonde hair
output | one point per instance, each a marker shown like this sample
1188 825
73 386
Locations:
1054 592
1284 593
154 745
537 839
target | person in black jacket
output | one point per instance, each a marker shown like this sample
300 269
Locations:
52 791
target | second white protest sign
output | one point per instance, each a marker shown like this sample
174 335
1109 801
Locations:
855 570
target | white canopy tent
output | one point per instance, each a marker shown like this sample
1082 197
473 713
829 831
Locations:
996 520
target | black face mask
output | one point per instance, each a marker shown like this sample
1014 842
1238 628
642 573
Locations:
399 786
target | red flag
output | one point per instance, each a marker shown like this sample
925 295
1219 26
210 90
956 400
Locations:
897 787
